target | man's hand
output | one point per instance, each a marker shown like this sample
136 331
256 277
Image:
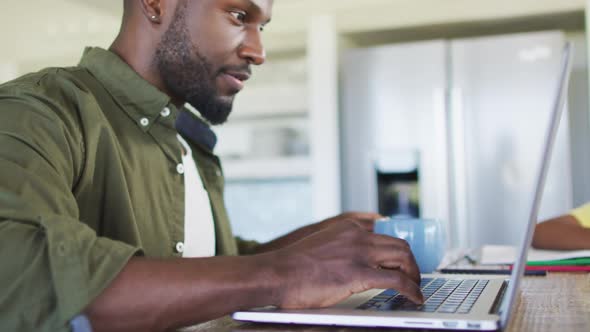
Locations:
364 219
343 259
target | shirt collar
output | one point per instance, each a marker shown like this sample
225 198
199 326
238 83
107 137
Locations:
136 96
141 99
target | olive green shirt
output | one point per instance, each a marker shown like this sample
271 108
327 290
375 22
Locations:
89 178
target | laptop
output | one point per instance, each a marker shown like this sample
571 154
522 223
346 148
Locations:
457 302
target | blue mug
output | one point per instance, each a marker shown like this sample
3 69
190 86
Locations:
425 236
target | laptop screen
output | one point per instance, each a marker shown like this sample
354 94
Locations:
556 114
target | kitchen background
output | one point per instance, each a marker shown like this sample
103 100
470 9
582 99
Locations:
434 108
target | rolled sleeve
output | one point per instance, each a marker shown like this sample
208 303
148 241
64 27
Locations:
81 264
53 265
582 214
53 268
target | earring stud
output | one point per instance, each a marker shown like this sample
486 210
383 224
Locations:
154 17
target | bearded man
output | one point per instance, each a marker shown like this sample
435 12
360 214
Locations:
112 215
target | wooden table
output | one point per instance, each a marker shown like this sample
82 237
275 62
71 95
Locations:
558 302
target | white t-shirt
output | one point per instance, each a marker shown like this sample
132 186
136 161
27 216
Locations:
199 228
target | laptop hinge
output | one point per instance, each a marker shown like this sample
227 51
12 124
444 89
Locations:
498 301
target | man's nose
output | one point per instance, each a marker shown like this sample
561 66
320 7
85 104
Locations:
252 48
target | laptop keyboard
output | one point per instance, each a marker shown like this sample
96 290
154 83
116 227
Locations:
440 295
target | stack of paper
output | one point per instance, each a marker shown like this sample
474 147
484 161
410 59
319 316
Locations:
548 260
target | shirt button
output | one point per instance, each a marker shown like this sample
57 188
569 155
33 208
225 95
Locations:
144 122
180 247
61 249
180 168
165 112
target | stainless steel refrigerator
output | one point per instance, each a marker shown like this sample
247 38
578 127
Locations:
453 130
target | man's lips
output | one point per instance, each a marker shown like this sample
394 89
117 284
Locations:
240 75
235 79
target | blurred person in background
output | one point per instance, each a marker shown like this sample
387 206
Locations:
567 232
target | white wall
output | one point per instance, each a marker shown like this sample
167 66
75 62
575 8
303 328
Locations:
41 33
97 20
290 17
43 29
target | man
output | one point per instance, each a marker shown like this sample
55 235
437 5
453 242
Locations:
567 232
94 175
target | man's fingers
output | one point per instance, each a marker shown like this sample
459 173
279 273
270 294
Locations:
383 278
363 215
394 257
388 251
381 239
365 219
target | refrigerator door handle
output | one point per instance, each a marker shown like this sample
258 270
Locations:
457 165
440 199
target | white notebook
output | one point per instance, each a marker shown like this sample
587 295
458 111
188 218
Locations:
496 255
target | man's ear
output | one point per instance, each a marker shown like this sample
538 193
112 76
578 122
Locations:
152 9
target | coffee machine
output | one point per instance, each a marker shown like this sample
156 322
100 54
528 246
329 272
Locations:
398 192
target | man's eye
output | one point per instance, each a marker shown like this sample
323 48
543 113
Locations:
240 16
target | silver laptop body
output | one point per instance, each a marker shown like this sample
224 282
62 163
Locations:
458 302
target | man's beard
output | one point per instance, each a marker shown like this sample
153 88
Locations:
187 74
